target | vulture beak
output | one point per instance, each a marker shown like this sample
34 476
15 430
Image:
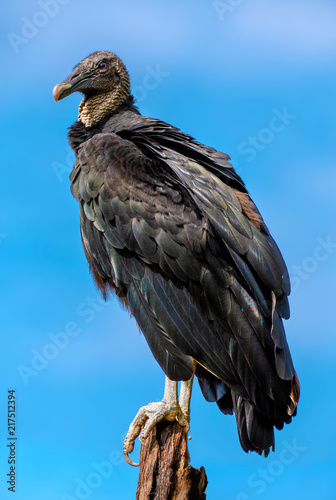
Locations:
73 83
60 91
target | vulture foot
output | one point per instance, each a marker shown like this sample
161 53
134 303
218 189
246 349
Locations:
148 416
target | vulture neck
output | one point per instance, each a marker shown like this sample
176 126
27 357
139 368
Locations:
94 108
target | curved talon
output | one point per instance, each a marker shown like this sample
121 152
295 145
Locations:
129 461
146 419
128 448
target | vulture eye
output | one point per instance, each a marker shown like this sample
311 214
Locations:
102 65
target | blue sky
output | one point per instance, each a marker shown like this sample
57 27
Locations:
253 79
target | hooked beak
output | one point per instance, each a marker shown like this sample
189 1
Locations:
60 91
73 83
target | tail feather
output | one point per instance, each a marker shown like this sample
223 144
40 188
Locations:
212 388
225 404
256 432
255 429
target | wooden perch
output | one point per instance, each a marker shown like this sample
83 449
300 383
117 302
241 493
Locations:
165 473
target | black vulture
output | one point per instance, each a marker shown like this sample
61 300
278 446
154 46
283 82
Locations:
168 225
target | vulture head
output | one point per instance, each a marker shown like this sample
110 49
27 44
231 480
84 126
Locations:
103 79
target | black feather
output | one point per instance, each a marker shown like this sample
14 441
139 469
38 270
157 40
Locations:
163 225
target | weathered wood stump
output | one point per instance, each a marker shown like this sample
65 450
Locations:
165 473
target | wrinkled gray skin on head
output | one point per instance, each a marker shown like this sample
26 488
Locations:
103 79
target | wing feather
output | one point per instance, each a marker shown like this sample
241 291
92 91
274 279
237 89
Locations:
162 224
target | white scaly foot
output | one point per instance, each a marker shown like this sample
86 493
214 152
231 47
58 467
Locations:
168 409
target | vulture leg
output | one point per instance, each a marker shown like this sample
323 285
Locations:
185 396
148 416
